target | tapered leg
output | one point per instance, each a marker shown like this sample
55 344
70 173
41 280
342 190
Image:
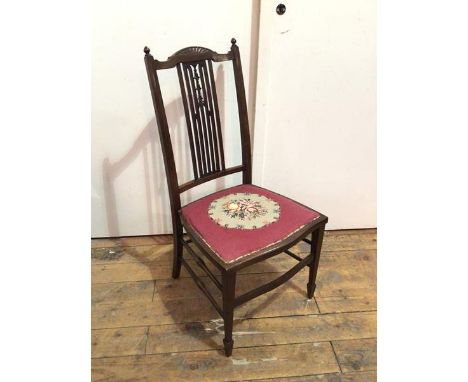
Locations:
315 249
229 288
178 248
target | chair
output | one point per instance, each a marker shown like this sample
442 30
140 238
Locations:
236 227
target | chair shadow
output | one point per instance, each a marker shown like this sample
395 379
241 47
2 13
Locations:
208 326
148 145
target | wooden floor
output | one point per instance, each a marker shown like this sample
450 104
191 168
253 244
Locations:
148 327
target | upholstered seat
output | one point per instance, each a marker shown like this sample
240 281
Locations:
245 219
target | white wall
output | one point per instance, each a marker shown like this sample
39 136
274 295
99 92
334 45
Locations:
315 126
314 137
129 191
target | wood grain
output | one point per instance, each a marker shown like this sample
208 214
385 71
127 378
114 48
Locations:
137 254
365 302
349 263
247 363
267 331
367 376
342 240
119 342
356 355
180 310
131 241
107 273
335 241
121 292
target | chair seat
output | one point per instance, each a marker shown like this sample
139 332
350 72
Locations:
242 220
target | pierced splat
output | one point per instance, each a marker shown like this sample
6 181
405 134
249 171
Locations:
201 112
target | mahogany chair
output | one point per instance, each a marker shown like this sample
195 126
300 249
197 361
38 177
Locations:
239 226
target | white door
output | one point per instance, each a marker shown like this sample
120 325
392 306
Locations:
315 137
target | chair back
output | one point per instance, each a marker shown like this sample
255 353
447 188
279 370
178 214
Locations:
198 90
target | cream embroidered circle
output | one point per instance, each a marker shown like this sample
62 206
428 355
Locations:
244 211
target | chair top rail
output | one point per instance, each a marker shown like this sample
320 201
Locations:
190 54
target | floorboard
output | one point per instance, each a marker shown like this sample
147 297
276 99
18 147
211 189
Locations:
148 327
210 365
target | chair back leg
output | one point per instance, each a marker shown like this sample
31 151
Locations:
315 249
178 248
229 291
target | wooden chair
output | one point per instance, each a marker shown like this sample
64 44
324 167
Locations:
239 226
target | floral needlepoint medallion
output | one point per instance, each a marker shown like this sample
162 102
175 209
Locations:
244 211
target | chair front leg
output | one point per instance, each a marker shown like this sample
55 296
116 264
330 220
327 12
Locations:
315 249
229 291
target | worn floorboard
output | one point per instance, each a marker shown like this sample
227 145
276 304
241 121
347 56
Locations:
367 376
208 335
148 327
210 365
356 355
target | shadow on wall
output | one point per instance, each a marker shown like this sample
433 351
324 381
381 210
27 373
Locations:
111 171
147 143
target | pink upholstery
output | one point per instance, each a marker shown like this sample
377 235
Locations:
230 244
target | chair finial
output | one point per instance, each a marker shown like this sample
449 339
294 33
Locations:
233 41
146 50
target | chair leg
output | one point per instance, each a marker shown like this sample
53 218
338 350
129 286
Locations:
177 254
315 249
229 288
